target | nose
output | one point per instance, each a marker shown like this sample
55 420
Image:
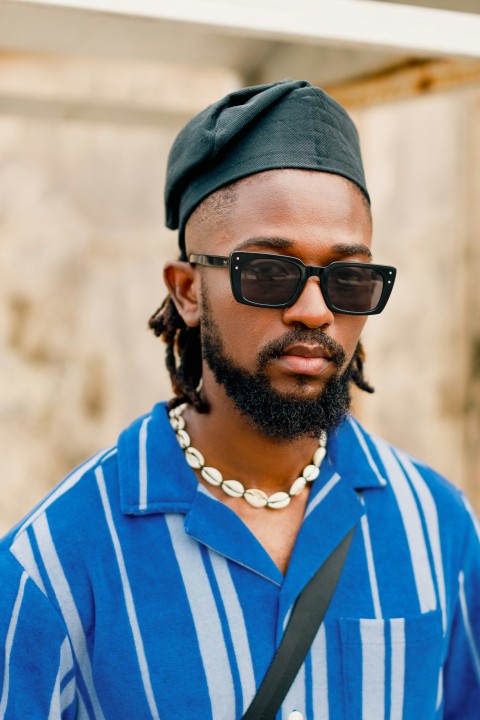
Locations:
309 309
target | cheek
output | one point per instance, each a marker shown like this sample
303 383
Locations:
225 312
243 329
347 330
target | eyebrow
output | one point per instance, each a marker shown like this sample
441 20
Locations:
279 243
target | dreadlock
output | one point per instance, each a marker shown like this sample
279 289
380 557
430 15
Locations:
184 357
357 375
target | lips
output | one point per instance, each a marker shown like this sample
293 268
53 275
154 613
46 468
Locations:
307 351
303 359
302 351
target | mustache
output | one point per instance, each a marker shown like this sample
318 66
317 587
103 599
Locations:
276 348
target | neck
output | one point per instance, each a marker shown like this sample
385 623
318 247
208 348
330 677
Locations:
231 443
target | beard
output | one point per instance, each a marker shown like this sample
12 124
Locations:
279 415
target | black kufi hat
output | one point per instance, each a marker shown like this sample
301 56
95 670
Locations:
288 124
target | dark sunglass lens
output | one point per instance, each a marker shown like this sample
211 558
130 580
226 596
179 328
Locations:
268 281
354 289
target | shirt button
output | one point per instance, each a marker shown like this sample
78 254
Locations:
295 715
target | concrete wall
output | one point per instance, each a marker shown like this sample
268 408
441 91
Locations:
82 246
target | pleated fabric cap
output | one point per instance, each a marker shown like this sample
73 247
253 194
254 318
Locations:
288 124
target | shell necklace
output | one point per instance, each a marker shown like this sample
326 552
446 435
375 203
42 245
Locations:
234 488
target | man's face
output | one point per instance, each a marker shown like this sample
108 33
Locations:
302 351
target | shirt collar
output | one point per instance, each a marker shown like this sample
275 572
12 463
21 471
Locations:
353 456
155 477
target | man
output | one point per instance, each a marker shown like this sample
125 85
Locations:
157 580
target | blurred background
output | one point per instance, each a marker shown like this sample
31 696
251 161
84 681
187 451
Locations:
92 94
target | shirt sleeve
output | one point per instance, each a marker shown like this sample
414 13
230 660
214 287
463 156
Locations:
37 676
462 668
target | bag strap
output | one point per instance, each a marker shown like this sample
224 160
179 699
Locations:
307 615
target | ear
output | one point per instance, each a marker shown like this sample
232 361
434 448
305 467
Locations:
183 282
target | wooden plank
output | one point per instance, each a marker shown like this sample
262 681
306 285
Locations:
348 23
409 79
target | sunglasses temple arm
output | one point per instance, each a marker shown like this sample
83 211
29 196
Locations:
210 260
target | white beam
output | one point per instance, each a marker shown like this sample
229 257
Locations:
348 23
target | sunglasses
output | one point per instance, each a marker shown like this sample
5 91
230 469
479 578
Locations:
276 281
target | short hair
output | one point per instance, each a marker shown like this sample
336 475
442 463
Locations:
218 205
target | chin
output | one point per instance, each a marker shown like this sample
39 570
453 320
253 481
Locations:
299 387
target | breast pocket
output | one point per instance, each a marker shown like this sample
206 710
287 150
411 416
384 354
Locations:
392 667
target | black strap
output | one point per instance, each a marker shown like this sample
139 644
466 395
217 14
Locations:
307 615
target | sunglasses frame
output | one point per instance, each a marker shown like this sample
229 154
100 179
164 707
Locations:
236 261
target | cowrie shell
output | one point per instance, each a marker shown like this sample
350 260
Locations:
278 500
183 439
212 475
194 458
234 488
177 411
297 486
256 498
319 455
178 423
310 473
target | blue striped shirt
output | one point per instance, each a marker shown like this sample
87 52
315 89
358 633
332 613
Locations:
131 592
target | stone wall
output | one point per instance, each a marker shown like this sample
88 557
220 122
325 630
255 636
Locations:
82 246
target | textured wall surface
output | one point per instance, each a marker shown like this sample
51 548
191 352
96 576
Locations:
82 246
422 160
81 254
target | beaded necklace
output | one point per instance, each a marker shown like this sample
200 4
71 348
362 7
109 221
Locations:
234 488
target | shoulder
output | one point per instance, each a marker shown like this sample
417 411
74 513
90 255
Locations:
68 497
412 480
59 525
67 523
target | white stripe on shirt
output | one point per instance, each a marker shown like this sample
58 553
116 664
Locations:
21 549
68 608
68 695
370 564
127 593
368 454
82 712
59 701
320 675
142 462
397 687
468 626
202 605
431 519
372 633
473 516
295 698
236 624
413 528
9 643
440 690
322 494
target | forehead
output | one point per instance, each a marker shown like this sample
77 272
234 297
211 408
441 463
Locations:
311 210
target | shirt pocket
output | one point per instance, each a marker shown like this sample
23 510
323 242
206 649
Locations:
392 667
